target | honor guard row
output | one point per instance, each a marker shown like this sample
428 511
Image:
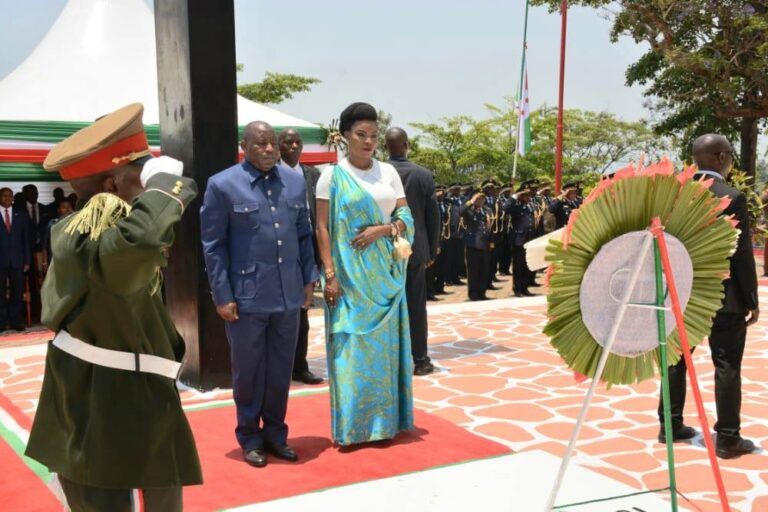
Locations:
484 230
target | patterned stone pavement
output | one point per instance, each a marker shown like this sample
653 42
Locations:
499 378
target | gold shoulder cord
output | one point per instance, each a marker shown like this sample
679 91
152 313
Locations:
103 212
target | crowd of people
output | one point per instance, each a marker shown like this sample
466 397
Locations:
25 251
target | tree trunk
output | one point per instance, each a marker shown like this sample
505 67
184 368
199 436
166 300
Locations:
748 151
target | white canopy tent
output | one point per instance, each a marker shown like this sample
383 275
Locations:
98 56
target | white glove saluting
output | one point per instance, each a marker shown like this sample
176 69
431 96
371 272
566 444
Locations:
160 164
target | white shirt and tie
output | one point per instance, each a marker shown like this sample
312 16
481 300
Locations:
8 218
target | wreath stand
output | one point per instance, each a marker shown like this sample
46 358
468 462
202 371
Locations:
663 268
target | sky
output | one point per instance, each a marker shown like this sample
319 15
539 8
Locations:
419 60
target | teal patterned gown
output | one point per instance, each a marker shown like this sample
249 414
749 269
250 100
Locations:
367 333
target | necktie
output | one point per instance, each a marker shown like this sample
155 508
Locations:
7 221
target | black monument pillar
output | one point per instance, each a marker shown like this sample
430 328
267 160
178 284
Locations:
198 125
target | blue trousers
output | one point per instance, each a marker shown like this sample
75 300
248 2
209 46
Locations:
262 348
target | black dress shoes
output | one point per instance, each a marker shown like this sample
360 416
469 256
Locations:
18 327
281 451
307 377
681 434
728 448
255 457
526 293
491 287
421 369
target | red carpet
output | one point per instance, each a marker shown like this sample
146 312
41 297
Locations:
230 482
20 488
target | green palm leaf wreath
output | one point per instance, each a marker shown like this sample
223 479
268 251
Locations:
626 203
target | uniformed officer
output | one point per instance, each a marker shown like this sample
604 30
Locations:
455 244
490 189
504 223
522 214
441 262
562 206
257 243
547 217
109 421
477 241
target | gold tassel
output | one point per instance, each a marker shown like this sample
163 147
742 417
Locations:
102 212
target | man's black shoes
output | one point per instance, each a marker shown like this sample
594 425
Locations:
307 377
681 434
255 457
281 451
421 369
729 447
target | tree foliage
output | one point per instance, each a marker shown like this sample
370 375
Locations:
276 87
706 66
463 149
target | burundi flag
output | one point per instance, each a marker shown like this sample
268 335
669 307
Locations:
524 121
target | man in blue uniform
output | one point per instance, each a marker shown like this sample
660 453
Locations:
257 242
522 214
477 240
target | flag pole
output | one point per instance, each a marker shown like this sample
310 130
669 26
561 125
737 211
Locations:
559 143
520 89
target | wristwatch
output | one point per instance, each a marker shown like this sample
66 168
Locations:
394 231
329 274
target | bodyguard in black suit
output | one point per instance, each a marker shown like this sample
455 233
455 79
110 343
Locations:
291 146
713 156
420 192
15 257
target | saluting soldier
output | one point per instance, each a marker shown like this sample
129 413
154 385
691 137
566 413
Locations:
109 422
562 206
545 200
522 213
477 241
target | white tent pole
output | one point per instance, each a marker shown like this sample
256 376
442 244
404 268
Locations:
600 367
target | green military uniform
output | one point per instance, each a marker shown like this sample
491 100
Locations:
95 425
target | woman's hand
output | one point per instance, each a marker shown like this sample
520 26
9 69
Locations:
367 236
332 292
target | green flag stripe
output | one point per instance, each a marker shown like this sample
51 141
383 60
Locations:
56 131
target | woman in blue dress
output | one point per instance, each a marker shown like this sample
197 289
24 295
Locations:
362 221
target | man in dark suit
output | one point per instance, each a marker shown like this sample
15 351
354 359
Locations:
15 257
420 192
39 216
713 156
291 147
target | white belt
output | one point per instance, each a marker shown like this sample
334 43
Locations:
132 362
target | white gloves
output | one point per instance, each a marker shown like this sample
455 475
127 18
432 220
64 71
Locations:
161 164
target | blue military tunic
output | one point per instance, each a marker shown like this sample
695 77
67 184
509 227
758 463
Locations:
257 238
